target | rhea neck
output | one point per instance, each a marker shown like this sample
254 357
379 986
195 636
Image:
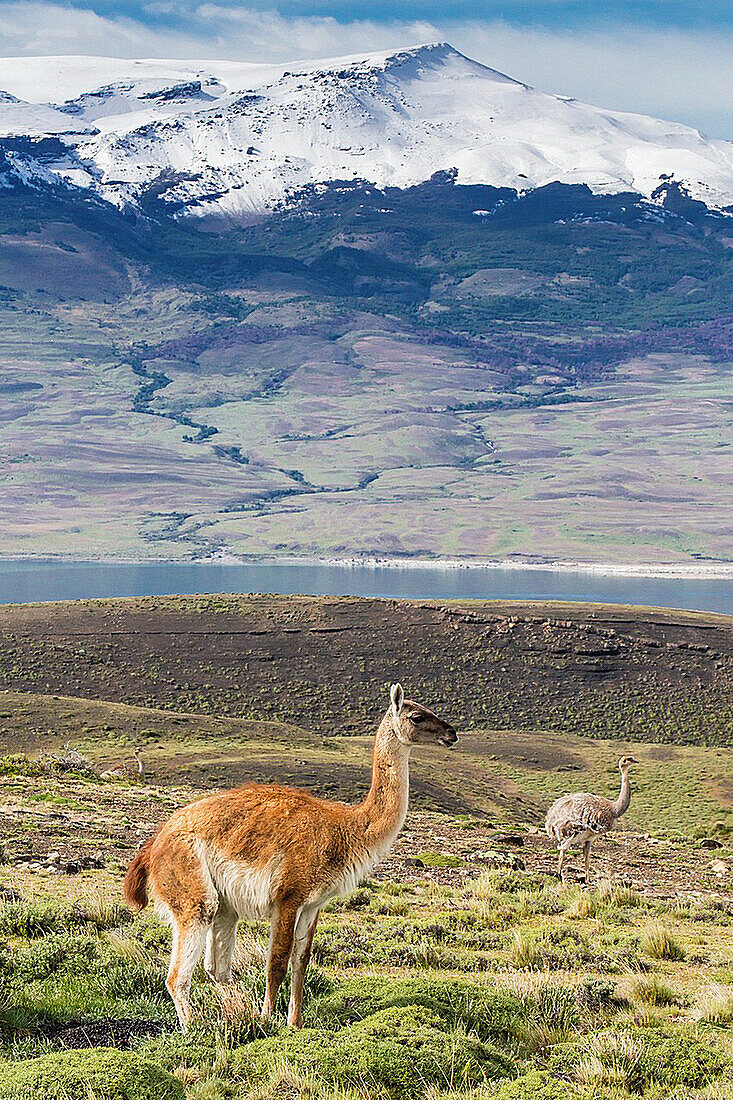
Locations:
385 807
621 804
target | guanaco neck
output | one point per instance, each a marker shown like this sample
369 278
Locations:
384 809
621 804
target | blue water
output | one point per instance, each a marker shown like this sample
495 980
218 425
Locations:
29 581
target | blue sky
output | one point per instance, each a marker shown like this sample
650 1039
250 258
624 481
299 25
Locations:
670 58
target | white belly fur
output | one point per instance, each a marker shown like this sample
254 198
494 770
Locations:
250 891
347 881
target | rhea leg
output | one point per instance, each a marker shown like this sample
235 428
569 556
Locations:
282 929
302 944
561 864
586 854
188 943
220 944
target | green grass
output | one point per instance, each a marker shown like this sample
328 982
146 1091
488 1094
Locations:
523 994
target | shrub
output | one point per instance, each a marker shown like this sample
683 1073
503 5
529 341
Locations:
101 1073
175 1051
20 764
634 1059
658 942
30 919
534 1085
397 1052
52 953
593 994
494 1014
490 884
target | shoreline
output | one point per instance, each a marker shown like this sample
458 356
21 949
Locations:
689 571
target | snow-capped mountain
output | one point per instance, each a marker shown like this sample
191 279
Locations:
228 138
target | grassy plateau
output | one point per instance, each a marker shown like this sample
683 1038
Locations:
462 968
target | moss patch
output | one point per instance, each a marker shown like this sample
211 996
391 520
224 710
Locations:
395 1052
101 1074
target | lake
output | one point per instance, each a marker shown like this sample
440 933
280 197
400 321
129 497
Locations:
29 581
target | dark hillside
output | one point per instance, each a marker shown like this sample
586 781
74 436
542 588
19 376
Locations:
320 663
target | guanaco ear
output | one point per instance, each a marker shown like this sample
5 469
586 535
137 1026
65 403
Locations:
397 696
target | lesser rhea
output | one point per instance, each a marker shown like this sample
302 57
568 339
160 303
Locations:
580 818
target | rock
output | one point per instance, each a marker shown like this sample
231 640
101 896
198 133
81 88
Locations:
413 861
92 863
511 838
719 867
53 857
500 859
711 844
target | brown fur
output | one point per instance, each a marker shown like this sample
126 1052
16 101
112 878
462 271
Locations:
283 847
135 886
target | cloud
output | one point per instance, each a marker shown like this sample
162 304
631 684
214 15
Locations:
685 76
672 73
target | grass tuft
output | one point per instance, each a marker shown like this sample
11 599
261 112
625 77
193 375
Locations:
526 953
715 1005
657 942
649 989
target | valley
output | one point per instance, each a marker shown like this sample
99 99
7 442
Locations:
550 387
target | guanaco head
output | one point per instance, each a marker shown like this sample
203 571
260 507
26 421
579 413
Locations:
414 724
625 763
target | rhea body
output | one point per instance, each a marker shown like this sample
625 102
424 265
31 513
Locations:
125 770
271 852
581 818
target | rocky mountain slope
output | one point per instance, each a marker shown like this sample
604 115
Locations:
235 139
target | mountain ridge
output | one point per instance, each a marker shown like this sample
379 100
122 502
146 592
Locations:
236 139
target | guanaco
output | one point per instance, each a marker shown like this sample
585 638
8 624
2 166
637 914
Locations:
273 852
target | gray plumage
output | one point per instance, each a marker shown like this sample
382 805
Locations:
580 818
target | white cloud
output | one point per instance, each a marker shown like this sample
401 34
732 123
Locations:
682 75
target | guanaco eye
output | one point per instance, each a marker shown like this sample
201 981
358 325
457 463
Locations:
417 718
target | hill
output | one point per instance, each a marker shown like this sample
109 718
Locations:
462 968
548 381
319 663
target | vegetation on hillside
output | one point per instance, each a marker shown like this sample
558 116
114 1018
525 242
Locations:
461 970
305 384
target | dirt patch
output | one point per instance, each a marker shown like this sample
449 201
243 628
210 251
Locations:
109 1032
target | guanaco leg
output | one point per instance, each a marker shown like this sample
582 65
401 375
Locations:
302 943
282 930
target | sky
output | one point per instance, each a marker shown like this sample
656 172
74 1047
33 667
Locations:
669 58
